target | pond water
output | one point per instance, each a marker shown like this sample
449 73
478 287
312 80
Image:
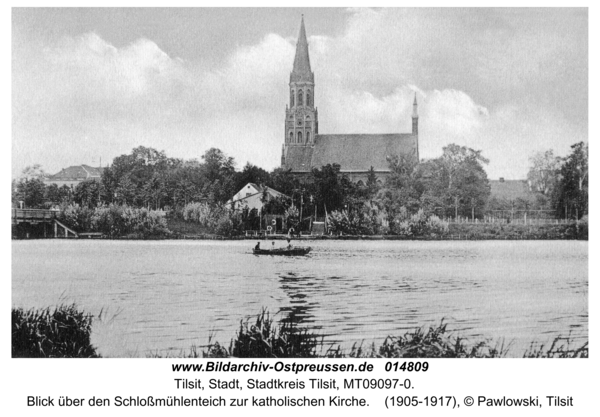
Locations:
166 296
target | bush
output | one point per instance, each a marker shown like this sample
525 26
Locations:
115 220
361 221
419 224
434 343
76 217
264 339
60 333
215 219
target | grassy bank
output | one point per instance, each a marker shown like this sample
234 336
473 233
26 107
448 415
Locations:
262 337
455 231
64 332
498 231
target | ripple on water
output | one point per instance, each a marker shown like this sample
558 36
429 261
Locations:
175 293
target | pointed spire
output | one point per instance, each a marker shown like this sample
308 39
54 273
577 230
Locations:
302 71
415 115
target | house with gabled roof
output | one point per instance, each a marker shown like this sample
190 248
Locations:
75 174
253 196
305 148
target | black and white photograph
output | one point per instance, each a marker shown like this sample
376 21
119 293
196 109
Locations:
299 183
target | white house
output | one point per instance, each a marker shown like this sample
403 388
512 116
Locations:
251 196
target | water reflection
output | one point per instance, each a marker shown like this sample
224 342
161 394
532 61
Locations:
299 311
174 294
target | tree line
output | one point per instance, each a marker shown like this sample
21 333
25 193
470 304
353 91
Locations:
451 185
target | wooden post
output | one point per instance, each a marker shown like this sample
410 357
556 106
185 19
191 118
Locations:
55 230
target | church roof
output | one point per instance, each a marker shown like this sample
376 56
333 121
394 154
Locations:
298 158
353 152
360 152
510 189
301 70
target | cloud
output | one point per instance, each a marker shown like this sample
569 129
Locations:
81 97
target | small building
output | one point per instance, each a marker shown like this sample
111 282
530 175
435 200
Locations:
74 175
253 196
510 190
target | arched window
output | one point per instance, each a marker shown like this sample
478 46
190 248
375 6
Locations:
300 98
307 137
292 98
299 137
291 137
308 98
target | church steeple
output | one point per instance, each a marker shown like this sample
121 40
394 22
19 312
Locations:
302 71
415 117
301 118
415 125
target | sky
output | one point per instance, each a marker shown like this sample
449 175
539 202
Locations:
92 84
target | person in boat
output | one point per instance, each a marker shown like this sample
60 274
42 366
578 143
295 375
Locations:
273 245
257 247
289 237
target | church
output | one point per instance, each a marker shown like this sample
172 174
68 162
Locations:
304 148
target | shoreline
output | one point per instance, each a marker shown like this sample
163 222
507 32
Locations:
309 238
261 336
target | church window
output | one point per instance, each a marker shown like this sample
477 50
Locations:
291 137
299 137
300 98
308 99
307 136
292 98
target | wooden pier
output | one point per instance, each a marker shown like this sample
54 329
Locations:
45 217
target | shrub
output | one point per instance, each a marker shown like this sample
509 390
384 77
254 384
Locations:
264 339
115 220
361 221
216 219
434 343
60 333
419 224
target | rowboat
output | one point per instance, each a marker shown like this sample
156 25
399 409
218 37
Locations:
295 251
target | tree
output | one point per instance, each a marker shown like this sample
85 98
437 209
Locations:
400 194
219 171
34 171
570 197
142 167
283 181
325 184
31 192
456 182
29 187
87 193
251 174
372 185
543 171
56 195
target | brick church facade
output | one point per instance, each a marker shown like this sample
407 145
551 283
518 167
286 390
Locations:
304 148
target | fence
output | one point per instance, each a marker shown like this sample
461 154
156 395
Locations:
525 220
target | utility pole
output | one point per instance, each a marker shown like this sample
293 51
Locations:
301 202
100 181
456 208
